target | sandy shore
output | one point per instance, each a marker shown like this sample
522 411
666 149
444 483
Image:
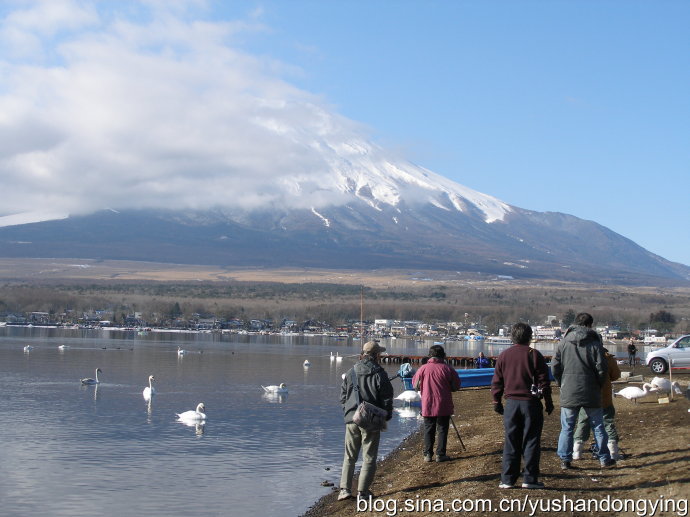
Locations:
656 470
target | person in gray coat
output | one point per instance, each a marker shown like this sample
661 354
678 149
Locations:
375 388
580 369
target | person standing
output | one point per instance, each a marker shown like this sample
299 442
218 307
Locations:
482 361
375 388
581 434
517 370
436 381
632 350
580 368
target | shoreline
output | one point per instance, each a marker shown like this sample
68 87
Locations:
653 470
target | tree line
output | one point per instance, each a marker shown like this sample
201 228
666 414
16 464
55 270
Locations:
492 306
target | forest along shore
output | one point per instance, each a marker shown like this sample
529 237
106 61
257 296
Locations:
655 439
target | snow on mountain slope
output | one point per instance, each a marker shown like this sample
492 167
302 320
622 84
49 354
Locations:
365 170
30 217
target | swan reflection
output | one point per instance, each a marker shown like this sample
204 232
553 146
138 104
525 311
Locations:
407 412
275 397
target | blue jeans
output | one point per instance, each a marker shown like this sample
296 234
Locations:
565 439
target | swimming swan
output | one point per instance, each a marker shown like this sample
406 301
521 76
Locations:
276 389
28 348
306 362
633 392
89 381
181 351
149 391
193 417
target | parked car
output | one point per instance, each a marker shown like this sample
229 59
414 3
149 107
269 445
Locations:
678 352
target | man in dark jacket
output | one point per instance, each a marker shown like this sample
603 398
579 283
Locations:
580 368
518 368
375 388
632 350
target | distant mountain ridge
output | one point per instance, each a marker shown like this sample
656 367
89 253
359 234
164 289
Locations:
365 211
356 236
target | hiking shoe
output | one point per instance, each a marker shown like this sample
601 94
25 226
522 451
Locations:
506 485
344 494
442 458
427 458
536 484
608 463
365 494
566 465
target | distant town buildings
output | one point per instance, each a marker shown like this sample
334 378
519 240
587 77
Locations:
550 331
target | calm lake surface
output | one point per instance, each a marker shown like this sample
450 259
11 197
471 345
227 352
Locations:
73 450
76 450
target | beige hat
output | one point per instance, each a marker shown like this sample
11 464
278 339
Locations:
372 347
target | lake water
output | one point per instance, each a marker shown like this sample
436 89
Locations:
76 450
73 450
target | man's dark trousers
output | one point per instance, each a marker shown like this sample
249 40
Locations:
523 421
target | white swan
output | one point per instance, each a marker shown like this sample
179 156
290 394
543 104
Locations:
662 385
193 417
89 381
181 351
149 391
306 362
282 388
338 357
63 347
28 348
633 392
409 396
332 357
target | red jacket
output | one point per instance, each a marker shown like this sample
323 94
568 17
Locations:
435 381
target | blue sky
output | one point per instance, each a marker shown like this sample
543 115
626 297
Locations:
571 106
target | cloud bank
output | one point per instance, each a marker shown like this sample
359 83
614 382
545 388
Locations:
149 104
143 104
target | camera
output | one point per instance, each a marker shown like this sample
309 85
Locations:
536 391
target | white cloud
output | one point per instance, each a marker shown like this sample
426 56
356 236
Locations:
137 104
157 113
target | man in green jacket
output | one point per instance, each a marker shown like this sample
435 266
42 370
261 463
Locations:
580 368
375 388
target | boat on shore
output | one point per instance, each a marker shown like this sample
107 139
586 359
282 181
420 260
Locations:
498 340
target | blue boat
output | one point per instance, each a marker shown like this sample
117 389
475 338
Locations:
470 378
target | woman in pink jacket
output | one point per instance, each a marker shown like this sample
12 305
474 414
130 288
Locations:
435 382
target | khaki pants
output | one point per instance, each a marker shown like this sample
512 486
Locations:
357 438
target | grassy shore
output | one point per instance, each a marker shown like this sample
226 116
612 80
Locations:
654 437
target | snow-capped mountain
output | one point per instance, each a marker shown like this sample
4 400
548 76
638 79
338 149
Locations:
365 211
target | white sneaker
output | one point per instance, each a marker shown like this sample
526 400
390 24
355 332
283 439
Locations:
344 494
536 484
505 485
